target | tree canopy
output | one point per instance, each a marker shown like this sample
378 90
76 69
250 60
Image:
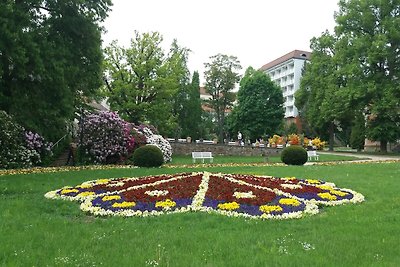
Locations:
221 77
356 70
369 50
50 59
142 81
259 109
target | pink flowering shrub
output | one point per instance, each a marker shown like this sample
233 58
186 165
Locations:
20 148
109 139
105 137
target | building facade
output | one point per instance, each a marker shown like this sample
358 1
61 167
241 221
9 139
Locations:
286 72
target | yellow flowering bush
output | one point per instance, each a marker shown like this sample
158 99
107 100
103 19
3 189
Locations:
318 143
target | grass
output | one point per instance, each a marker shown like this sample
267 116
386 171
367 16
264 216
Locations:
35 231
183 160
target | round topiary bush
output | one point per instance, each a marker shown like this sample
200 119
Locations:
148 156
294 155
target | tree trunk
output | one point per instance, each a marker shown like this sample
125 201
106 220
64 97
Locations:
331 136
383 146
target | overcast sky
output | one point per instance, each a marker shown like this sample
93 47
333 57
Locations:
255 31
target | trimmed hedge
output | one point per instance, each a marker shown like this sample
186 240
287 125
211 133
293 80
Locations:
148 156
294 155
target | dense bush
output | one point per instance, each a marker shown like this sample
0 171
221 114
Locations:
160 142
148 156
105 137
20 148
294 155
109 139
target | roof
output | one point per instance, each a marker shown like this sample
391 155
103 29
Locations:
297 54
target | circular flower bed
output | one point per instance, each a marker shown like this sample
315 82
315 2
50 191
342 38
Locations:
228 194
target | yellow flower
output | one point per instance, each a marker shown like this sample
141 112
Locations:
311 181
85 194
338 193
325 187
124 204
102 181
68 190
268 209
229 206
289 202
168 203
84 186
108 198
327 196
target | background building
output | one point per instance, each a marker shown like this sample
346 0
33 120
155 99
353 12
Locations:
286 71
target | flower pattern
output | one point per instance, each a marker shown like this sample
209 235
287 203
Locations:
235 195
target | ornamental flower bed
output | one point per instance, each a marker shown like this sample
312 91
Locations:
250 196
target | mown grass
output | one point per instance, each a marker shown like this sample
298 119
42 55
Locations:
183 159
35 231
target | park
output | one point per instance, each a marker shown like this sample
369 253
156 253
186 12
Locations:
115 155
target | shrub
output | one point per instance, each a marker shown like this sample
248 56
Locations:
148 156
105 137
20 149
157 140
294 155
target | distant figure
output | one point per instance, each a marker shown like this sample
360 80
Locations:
240 138
72 154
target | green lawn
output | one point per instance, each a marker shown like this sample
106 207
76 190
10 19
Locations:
182 160
35 231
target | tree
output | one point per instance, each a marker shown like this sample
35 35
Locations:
221 76
188 108
322 99
259 110
142 81
369 49
357 136
50 59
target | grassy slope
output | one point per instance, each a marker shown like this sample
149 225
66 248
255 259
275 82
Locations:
35 231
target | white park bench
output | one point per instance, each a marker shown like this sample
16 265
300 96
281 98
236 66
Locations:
202 156
312 154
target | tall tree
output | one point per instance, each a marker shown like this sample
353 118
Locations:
369 48
188 108
221 76
50 58
259 109
323 100
142 81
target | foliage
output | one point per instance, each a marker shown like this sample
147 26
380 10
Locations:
323 98
148 156
158 141
188 108
105 137
221 76
293 139
259 110
357 137
142 81
20 148
276 140
50 60
319 145
294 155
369 32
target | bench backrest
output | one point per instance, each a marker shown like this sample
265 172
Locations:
312 153
201 154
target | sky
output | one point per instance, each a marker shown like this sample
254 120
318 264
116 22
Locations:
254 31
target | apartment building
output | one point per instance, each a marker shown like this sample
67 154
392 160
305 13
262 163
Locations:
286 71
